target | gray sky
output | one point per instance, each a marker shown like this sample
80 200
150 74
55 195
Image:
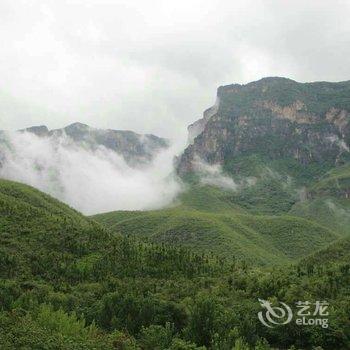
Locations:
154 66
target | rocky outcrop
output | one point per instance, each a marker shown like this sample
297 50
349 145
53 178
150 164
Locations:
296 112
198 126
274 118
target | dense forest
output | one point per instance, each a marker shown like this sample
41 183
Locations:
68 282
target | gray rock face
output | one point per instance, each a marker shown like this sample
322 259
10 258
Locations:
198 126
275 119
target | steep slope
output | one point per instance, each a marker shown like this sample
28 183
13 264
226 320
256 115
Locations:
41 235
305 125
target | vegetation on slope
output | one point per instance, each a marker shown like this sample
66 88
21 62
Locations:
209 221
335 183
318 97
67 283
327 201
337 252
330 212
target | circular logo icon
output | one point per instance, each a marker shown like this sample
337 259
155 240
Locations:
274 315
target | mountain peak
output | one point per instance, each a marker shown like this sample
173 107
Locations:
77 126
275 78
39 130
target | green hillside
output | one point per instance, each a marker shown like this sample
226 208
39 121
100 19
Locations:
58 268
337 252
26 195
329 204
330 212
209 221
335 183
328 201
208 199
66 282
38 231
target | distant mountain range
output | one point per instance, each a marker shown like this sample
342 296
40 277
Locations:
136 149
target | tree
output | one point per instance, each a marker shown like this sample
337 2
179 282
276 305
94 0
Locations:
156 337
201 325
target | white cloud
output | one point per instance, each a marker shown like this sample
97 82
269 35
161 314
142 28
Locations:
213 175
340 143
90 181
155 66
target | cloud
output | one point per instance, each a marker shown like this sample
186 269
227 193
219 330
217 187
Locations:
340 143
213 175
153 67
341 212
90 181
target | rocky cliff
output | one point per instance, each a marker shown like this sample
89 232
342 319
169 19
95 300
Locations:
274 119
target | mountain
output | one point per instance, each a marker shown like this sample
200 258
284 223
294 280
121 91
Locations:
335 182
135 148
284 144
42 237
305 125
267 174
93 170
338 252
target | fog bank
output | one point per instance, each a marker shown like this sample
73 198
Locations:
92 181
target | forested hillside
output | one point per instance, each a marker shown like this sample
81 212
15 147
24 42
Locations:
209 221
69 283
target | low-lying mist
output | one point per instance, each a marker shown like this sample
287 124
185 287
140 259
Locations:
91 181
212 174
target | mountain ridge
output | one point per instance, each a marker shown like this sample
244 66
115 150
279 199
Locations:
136 149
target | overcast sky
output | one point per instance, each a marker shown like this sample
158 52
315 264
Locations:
154 66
